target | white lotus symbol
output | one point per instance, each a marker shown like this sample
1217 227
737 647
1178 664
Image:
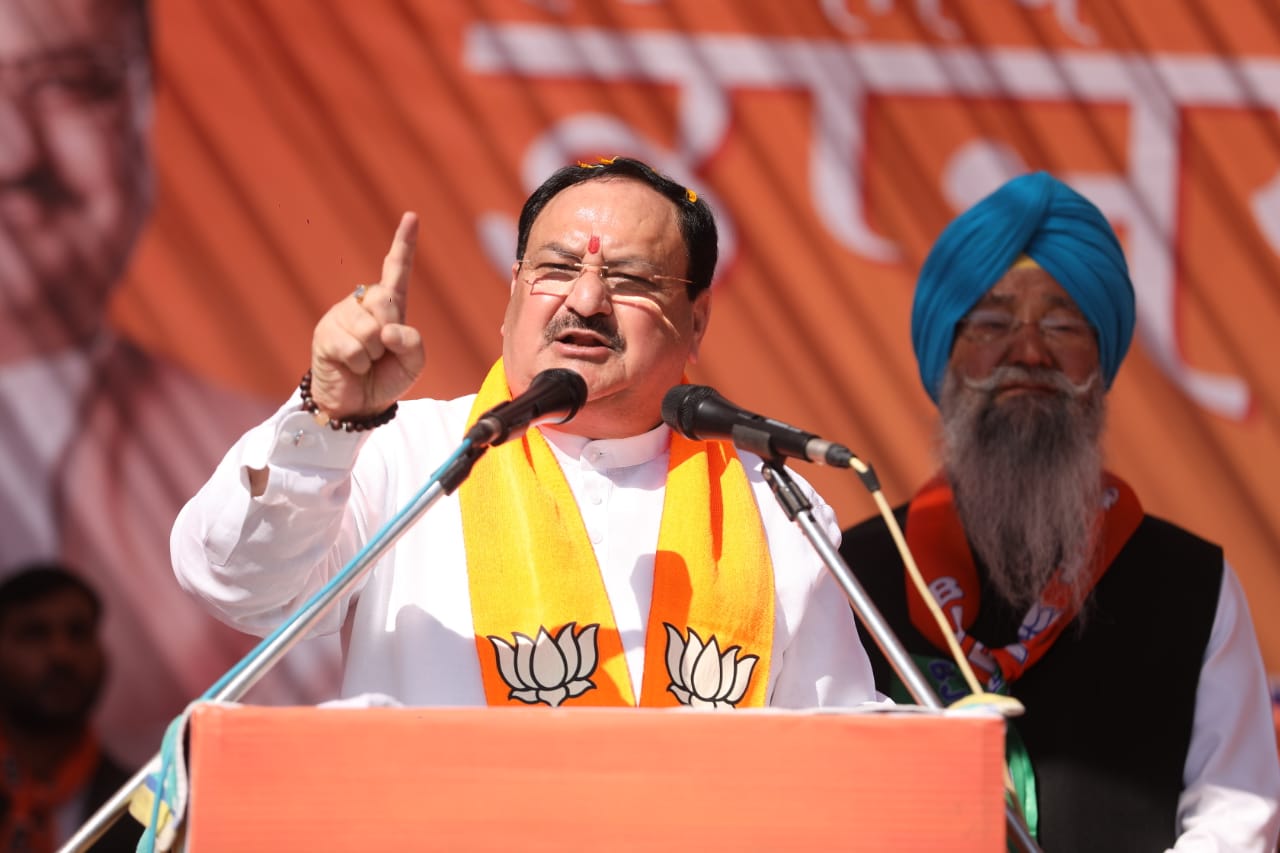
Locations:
548 670
703 676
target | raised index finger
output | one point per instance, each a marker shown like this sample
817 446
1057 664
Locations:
398 263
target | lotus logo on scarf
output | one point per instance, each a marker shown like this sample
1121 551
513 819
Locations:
703 676
548 670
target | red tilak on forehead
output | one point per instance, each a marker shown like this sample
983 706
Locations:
593 245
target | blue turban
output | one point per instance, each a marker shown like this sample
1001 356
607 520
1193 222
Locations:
1062 231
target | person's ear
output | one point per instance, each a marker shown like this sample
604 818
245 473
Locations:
701 315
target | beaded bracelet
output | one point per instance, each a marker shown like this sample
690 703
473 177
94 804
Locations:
353 425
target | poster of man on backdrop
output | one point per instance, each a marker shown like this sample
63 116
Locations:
103 440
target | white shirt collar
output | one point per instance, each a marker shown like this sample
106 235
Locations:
607 453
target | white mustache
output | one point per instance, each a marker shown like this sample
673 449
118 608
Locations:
1055 378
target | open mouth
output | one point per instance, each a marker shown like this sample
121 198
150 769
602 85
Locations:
578 336
580 340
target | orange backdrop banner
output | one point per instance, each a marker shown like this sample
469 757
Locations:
833 139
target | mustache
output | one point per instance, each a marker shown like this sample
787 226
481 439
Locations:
1011 374
570 321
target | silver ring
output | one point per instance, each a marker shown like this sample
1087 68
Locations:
361 290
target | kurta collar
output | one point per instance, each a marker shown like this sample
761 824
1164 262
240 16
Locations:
607 453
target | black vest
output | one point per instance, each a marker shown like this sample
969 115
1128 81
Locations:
1110 705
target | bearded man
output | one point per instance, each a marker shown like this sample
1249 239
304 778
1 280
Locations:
1127 639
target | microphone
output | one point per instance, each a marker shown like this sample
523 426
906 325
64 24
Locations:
700 413
554 396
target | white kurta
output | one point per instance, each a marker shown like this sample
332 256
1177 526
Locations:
255 560
1232 777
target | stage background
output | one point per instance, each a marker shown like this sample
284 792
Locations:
833 139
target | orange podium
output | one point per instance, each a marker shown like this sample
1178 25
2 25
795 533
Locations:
311 779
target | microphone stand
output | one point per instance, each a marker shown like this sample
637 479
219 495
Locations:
237 681
800 510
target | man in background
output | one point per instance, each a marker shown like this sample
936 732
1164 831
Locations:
53 771
1127 639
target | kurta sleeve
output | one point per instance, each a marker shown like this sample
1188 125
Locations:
1232 777
254 560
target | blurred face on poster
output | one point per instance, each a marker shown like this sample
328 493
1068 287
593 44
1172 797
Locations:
75 173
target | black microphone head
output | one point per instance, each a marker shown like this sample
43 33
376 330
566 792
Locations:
553 396
681 404
564 389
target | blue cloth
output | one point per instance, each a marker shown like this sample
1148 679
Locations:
1035 215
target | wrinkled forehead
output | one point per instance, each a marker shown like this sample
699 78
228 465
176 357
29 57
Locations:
626 214
1031 286
31 28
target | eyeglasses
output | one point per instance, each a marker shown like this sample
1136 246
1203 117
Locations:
987 326
70 80
556 277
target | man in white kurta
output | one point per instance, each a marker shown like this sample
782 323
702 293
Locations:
256 559
612 279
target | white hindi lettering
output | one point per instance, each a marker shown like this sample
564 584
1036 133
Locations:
705 70
930 13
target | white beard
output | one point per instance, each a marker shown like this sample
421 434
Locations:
1027 477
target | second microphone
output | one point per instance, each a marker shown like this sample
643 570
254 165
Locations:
700 413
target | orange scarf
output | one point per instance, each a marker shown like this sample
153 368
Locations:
545 630
938 543
28 818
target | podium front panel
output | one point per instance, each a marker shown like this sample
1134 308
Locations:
536 779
